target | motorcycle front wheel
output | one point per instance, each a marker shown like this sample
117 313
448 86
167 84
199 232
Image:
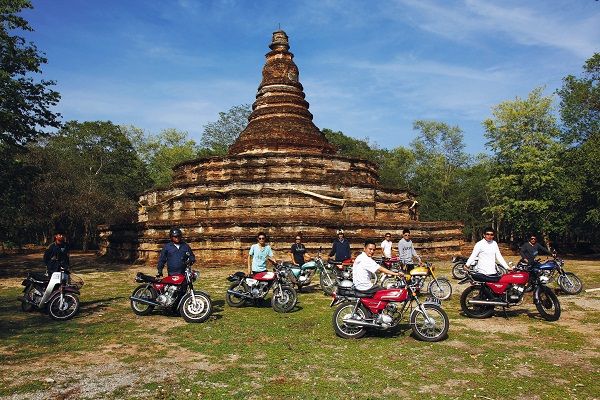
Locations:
341 314
65 309
233 300
327 281
458 271
198 312
440 288
143 292
547 304
25 305
570 283
284 299
475 310
431 325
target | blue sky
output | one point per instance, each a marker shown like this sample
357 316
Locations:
369 68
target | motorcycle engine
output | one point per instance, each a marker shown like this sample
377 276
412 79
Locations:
168 296
385 318
515 293
257 288
36 295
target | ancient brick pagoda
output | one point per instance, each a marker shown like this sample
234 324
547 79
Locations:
281 176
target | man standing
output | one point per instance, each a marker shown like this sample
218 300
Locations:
364 265
487 253
259 254
340 247
56 254
530 250
406 251
386 246
174 254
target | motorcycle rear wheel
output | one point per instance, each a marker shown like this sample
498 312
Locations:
343 312
547 305
440 288
195 313
327 281
432 328
570 283
67 310
284 299
458 271
474 310
143 292
26 306
232 300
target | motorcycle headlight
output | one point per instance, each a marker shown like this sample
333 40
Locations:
544 279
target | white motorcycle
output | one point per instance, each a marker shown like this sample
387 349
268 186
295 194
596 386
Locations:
57 293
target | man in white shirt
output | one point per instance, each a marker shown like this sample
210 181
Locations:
487 253
386 245
365 265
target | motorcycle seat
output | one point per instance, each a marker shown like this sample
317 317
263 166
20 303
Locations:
485 278
367 293
141 277
39 276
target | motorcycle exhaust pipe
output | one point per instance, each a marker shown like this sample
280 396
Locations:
358 322
488 303
238 294
144 301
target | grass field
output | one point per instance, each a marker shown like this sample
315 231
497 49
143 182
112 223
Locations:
254 353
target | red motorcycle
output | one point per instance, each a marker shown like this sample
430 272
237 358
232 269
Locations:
383 309
174 292
489 291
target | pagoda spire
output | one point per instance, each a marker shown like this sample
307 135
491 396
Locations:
280 120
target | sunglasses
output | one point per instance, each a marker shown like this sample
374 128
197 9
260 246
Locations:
489 234
262 238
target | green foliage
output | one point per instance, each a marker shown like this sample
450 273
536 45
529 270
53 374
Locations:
25 105
526 185
221 134
90 175
163 151
351 147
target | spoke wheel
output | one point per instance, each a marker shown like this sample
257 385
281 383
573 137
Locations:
570 283
475 310
233 300
458 271
440 288
284 299
431 325
65 309
198 312
327 281
341 314
547 305
143 292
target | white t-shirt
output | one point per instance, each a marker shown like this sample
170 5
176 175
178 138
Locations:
363 265
386 247
487 253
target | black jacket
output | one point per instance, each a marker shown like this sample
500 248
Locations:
55 255
530 252
174 258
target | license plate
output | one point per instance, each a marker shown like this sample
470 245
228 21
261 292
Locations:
433 300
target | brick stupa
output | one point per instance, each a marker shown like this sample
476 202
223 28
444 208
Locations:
281 176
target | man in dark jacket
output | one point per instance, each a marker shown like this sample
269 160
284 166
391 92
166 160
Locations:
56 254
174 254
340 247
530 250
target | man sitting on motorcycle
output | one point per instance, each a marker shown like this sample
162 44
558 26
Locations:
364 265
259 254
174 254
56 254
487 253
406 251
530 250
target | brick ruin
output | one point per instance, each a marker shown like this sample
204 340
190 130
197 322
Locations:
281 176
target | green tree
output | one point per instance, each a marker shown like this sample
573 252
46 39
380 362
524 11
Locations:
580 113
528 183
25 105
350 147
221 134
439 164
91 175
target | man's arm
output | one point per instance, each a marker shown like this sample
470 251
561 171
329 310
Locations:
388 272
414 252
332 252
473 255
162 259
544 250
250 254
48 255
523 252
500 259
192 256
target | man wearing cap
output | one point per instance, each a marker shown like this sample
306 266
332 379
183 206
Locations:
174 254
340 247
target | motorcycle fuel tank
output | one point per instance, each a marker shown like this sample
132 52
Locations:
264 276
176 279
309 265
548 265
419 271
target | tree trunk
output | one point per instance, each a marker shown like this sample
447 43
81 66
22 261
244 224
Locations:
86 234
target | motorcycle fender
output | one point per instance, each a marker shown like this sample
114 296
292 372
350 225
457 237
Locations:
25 282
336 300
536 294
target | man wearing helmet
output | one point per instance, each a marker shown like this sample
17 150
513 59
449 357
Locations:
56 254
340 247
174 254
